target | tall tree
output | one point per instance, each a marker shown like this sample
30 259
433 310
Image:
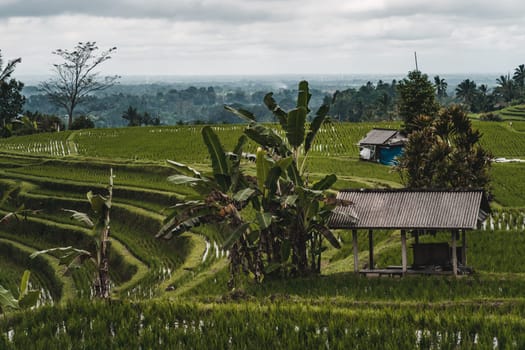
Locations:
445 154
506 88
441 88
484 100
9 68
76 78
11 98
466 92
519 78
416 98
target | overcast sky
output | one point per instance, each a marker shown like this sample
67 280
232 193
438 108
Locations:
244 37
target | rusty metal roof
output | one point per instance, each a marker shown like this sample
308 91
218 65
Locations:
377 137
407 209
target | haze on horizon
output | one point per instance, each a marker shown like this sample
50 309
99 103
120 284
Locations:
269 37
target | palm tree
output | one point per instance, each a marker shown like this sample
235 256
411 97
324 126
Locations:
505 88
519 77
9 68
484 99
441 87
466 91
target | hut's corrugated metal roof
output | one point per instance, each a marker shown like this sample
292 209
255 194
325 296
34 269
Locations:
403 209
377 137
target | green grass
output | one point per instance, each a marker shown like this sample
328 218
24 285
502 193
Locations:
286 325
500 140
508 184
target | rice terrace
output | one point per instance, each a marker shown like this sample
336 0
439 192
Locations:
174 293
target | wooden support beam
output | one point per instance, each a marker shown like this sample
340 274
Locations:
464 247
416 237
404 251
370 250
356 251
454 253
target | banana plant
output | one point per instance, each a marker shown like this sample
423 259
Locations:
72 257
26 299
218 198
218 201
294 213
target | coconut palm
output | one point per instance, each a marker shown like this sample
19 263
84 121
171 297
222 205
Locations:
441 87
506 88
466 92
519 77
484 99
9 68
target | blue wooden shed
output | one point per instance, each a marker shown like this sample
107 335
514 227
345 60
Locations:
382 145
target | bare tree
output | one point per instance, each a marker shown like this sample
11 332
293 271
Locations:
76 77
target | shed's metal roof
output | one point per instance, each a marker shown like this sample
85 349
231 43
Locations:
405 209
377 136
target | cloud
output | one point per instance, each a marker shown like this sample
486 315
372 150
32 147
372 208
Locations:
269 36
182 10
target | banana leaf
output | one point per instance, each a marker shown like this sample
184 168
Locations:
295 128
221 170
184 169
320 118
281 115
241 113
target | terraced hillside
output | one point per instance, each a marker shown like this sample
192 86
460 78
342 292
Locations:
513 113
50 172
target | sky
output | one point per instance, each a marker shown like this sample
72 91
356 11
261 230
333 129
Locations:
269 37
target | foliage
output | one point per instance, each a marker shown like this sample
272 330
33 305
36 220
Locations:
82 122
27 297
285 234
416 98
75 78
441 88
506 89
11 104
291 213
466 93
45 122
5 72
369 102
491 117
445 154
134 118
73 257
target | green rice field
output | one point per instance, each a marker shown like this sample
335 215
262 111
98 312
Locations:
174 294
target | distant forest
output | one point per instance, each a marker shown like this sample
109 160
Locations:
169 104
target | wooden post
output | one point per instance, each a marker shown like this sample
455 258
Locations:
454 254
464 247
404 251
370 250
356 251
416 236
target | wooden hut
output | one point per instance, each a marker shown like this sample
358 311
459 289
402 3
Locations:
416 212
382 145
